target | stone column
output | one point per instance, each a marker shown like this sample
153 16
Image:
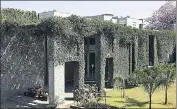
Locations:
100 62
80 74
155 51
136 54
56 75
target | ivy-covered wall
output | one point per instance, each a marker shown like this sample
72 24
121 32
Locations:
129 48
22 60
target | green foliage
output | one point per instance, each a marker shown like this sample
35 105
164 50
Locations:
168 73
86 94
150 79
68 33
19 16
118 81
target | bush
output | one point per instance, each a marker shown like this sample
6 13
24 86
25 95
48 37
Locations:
86 94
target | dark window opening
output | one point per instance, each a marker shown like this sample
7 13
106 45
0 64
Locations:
85 41
109 72
85 57
92 65
133 57
140 26
77 49
46 62
151 50
92 41
112 44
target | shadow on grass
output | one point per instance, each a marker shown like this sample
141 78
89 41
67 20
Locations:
113 96
131 87
132 102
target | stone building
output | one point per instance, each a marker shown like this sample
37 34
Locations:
30 57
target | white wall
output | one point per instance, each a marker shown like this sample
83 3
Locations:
115 20
53 13
61 14
133 22
107 17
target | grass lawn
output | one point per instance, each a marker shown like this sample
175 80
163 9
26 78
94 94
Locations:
137 98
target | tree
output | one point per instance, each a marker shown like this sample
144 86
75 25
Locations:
150 80
168 73
164 18
120 84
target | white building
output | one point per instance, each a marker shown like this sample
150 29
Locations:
106 17
52 13
127 21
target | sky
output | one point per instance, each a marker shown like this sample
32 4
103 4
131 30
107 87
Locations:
134 9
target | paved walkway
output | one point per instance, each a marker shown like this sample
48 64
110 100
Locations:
29 102
24 102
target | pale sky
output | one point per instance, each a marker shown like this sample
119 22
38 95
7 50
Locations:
135 9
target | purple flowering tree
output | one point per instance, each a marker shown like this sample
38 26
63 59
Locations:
164 18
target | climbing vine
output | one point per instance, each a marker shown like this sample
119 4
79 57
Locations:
69 32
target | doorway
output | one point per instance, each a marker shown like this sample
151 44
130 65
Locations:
71 70
109 72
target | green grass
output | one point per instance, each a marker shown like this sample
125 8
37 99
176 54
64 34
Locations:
138 98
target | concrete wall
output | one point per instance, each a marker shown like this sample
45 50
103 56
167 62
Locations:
22 63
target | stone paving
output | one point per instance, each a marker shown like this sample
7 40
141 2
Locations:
24 102
29 102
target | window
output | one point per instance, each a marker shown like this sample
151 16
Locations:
151 50
140 26
134 24
85 41
92 41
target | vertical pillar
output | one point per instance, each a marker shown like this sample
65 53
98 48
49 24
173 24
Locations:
80 74
100 62
155 51
135 54
56 74
130 58
50 47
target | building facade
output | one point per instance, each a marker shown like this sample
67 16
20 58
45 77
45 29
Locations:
105 17
127 21
48 14
46 58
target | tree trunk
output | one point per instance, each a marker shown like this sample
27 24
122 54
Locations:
123 89
150 95
166 89
123 92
